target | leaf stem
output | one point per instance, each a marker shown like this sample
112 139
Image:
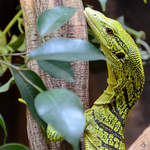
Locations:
143 43
137 34
12 22
14 54
10 65
23 76
30 82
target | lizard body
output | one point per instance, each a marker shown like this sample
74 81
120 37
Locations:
106 118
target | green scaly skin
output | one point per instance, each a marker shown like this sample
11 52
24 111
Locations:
106 119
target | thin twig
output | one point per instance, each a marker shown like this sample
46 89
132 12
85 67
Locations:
143 43
12 22
30 82
14 54
10 65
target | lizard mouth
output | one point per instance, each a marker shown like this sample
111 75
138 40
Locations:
92 16
96 21
88 16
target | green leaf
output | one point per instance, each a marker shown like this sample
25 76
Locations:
145 1
13 146
22 47
52 19
66 49
4 49
57 69
13 38
16 42
62 109
3 67
7 85
3 40
103 4
2 124
28 92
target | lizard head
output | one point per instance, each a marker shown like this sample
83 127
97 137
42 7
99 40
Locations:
114 40
121 52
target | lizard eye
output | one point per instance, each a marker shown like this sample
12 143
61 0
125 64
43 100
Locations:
120 55
109 30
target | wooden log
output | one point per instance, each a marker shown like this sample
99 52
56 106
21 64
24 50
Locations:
75 28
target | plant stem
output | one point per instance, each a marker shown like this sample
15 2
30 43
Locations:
137 34
23 76
30 82
143 43
10 65
12 22
14 54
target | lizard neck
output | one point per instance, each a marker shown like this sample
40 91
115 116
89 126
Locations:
123 90
128 92
128 82
110 111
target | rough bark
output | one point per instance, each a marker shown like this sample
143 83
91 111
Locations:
75 28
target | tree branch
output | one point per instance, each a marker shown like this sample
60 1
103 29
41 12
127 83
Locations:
75 28
143 141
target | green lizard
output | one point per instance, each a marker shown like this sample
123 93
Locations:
106 119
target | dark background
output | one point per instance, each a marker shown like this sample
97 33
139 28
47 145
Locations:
12 111
136 15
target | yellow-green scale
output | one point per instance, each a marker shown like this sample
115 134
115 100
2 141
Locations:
106 119
105 122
